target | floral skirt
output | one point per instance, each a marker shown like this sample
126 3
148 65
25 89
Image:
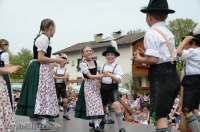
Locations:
6 117
38 95
10 92
89 104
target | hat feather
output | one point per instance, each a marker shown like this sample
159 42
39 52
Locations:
114 44
196 30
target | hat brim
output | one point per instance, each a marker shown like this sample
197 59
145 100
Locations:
195 39
170 11
64 58
105 52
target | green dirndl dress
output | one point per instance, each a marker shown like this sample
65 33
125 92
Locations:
7 79
27 99
81 106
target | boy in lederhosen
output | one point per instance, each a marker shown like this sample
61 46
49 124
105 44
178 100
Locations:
191 79
61 75
160 54
109 88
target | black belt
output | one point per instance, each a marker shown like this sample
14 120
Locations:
109 87
162 64
194 76
60 85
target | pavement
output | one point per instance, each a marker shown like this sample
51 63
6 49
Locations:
79 125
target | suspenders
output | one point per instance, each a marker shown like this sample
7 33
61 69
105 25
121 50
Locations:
57 74
111 72
171 51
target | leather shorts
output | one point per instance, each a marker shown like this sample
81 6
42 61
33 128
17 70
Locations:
61 90
191 92
109 93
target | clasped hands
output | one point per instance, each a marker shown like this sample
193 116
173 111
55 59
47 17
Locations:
13 69
106 74
138 55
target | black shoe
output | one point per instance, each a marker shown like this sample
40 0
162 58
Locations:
102 124
122 130
91 125
52 120
109 121
66 117
98 129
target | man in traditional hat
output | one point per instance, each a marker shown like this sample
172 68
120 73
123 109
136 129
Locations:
191 79
160 54
109 88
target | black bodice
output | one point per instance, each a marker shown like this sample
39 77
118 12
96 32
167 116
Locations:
93 71
47 54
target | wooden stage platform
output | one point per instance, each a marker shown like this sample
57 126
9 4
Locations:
79 125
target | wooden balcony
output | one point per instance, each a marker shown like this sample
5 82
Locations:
140 69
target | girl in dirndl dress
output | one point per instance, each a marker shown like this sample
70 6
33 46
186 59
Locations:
6 118
38 95
4 56
89 104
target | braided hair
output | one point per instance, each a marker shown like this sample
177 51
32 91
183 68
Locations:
44 26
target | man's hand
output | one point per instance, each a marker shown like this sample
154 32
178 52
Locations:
141 52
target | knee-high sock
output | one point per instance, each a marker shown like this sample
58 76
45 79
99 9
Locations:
193 123
96 123
198 118
35 123
65 110
120 120
109 112
112 113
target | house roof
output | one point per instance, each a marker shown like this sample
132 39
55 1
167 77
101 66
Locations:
123 40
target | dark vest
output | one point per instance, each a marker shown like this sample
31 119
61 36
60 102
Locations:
1 62
35 52
93 71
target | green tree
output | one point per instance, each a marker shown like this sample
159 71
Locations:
180 28
138 30
22 58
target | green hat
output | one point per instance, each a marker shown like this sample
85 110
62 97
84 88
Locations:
157 6
196 37
195 33
111 49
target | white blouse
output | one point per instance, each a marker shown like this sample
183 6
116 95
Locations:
84 66
5 57
192 60
42 43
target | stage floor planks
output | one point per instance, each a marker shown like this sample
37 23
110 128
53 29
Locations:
79 125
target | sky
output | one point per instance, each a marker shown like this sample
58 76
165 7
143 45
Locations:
78 20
